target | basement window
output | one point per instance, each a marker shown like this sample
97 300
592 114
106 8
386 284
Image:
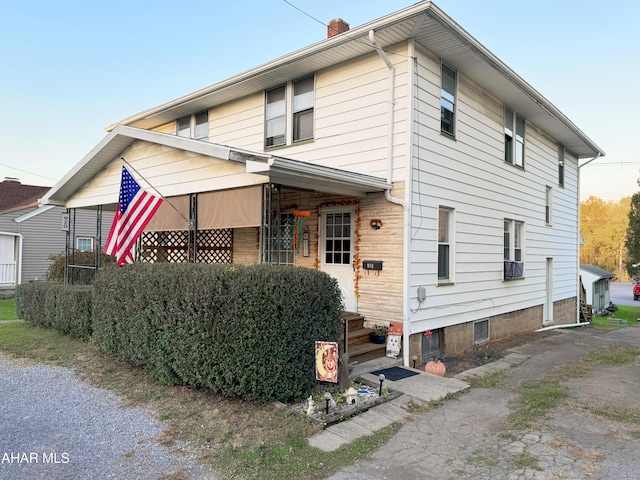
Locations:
481 331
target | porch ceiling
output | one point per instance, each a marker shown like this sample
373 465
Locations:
288 172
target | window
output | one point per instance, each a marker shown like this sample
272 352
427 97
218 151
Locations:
194 126
303 109
281 245
481 331
298 98
513 246
338 238
513 240
84 244
447 100
547 205
444 243
561 165
513 138
276 117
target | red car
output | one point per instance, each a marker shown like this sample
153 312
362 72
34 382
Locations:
636 291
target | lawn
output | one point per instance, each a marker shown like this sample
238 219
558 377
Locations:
630 314
8 309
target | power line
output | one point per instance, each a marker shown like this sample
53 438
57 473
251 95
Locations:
30 173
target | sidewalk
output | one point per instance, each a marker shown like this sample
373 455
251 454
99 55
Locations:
422 388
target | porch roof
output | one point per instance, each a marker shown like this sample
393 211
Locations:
285 171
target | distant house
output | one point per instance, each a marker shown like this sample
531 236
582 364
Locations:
30 233
596 283
401 157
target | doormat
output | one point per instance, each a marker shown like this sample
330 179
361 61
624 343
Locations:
395 373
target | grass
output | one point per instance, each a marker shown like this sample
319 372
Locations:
629 313
8 309
238 439
538 397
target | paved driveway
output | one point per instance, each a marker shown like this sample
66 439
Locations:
467 438
621 293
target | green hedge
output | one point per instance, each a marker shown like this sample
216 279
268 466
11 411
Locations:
66 308
240 331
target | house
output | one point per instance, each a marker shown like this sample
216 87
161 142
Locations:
596 282
30 233
402 157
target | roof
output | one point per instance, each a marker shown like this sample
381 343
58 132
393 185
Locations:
15 195
281 170
423 22
597 271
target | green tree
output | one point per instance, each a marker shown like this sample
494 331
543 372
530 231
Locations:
633 237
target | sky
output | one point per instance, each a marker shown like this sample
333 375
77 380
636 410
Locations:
71 68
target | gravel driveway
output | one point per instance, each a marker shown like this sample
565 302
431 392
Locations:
54 426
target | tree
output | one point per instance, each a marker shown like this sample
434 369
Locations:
603 226
633 237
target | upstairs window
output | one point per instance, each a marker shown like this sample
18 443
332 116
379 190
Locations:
276 117
447 100
303 109
513 138
513 248
561 166
547 205
289 113
194 126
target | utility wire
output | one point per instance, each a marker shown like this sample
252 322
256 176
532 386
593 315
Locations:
29 173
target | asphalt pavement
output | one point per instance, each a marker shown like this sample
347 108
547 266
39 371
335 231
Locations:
468 437
621 293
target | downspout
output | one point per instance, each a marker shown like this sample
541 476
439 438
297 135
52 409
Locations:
387 195
598 155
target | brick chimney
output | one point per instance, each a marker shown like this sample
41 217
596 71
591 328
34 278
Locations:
336 26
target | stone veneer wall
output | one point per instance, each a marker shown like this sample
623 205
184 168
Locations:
459 338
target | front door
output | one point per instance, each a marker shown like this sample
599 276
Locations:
337 250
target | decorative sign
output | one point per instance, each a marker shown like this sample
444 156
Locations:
393 339
327 361
65 222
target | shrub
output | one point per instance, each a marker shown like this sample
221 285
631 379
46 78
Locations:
240 331
66 308
55 273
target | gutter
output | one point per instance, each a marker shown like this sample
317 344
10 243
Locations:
398 201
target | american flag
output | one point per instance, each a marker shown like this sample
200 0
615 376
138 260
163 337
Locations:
135 209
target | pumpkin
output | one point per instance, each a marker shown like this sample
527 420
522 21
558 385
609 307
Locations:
435 367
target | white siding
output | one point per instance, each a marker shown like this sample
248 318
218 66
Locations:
469 174
351 118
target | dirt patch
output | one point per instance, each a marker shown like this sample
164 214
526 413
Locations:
487 352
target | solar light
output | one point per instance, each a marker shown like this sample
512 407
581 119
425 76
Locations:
381 377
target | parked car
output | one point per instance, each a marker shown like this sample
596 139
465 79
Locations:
636 290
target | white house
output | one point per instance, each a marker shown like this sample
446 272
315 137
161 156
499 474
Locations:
400 156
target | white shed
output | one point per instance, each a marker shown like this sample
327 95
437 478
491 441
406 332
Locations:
596 284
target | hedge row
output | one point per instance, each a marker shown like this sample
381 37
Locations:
239 331
66 308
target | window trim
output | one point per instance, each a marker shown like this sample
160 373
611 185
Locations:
449 242
91 239
448 97
515 130
513 248
561 162
548 206
291 114
192 122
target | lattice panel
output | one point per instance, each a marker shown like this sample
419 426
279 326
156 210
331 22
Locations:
213 246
